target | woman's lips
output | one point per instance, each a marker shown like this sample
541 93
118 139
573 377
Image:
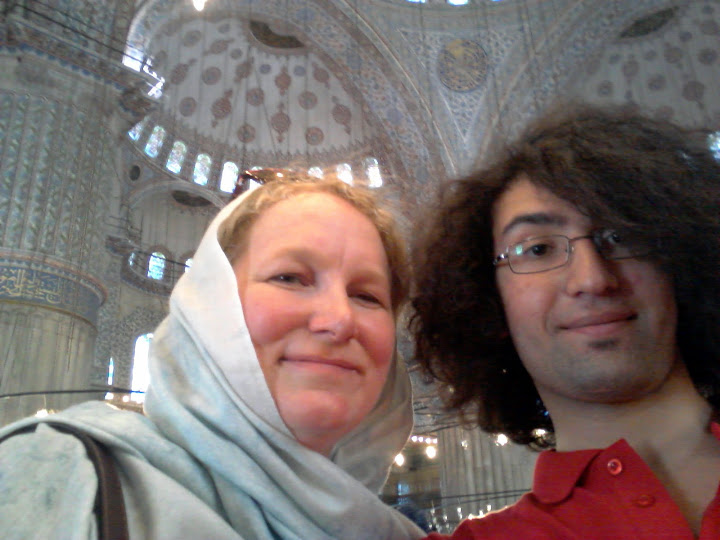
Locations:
320 362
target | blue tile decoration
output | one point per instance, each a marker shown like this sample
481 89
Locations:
48 286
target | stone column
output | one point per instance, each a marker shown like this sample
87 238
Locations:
479 473
59 126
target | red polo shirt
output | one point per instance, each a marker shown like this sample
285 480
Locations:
592 494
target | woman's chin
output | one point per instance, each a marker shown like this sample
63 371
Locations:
319 419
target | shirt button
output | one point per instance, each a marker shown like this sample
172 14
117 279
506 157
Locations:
644 501
614 466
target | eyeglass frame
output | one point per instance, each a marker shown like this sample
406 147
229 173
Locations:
596 237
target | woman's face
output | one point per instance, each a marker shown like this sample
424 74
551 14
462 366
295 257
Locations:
314 284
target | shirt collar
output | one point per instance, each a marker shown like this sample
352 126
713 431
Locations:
557 473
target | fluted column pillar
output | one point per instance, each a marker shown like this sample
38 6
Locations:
61 99
479 473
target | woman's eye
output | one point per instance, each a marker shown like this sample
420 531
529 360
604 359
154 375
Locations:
290 279
369 298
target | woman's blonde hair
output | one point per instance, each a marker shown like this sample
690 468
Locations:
233 237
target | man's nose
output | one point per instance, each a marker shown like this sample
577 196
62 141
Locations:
588 272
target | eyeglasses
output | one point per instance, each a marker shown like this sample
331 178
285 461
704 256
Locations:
249 180
544 253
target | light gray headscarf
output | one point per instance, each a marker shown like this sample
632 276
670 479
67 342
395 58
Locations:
213 458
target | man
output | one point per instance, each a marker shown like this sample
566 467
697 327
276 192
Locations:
569 296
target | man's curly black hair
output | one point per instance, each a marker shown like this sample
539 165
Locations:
623 170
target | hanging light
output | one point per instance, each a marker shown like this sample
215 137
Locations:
399 460
199 4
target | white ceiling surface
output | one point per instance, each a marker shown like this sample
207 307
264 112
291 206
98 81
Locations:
224 85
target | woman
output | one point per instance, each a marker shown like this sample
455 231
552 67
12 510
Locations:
275 406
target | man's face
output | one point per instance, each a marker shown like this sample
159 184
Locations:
592 330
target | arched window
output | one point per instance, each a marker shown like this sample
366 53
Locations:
140 371
156 266
344 172
317 172
176 157
372 172
229 177
714 143
110 377
202 169
155 142
137 129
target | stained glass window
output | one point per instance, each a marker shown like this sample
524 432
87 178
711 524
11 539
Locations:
140 371
155 142
372 172
156 266
714 142
457 2
137 130
317 172
188 263
110 377
202 169
176 157
229 177
344 172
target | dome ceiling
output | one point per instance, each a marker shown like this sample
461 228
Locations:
254 87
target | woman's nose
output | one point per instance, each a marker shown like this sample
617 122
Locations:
588 272
333 316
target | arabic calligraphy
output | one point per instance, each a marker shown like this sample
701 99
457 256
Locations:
47 289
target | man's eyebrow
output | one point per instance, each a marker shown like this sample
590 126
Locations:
536 218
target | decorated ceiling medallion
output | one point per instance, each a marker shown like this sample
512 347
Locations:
191 38
462 65
246 133
341 114
188 106
211 75
280 122
321 75
221 108
283 80
219 46
314 135
244 69
307 100
172 28
255 96
180 71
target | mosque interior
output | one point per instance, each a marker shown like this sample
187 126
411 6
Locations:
124 125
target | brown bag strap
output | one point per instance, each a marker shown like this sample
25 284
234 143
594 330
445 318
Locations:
109 503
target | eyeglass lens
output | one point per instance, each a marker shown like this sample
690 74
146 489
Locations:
548 252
